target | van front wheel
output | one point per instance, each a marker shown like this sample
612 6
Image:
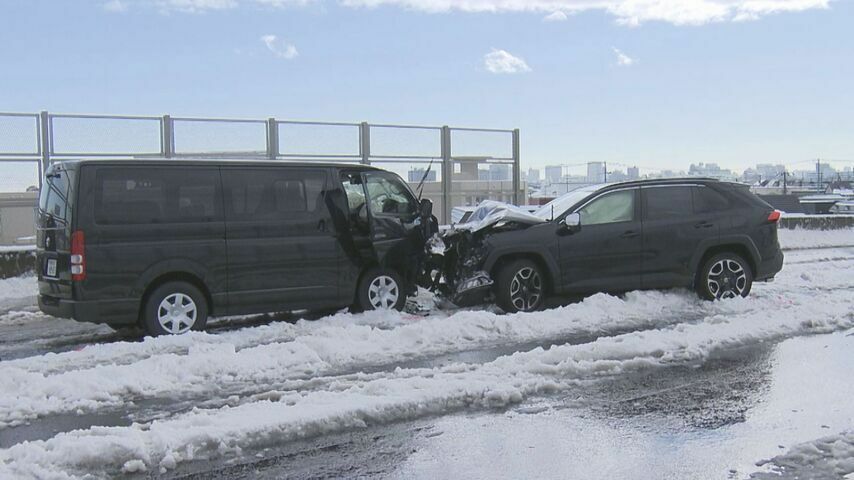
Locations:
381 289
175 308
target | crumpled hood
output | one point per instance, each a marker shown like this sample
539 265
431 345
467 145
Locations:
491 212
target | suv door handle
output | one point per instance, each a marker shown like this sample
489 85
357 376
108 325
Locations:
629 234
704 224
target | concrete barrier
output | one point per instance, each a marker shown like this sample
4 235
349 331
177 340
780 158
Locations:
817 222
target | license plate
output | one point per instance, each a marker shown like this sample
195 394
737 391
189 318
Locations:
50 268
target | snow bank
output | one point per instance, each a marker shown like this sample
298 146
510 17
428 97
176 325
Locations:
357 400
801 238
827 457
113 375
18 287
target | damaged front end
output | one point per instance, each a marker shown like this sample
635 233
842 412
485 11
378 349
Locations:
457 256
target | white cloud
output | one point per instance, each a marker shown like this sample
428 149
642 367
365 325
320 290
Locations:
627 12
116 6
280 48
501 61
623 60
557 16
195 6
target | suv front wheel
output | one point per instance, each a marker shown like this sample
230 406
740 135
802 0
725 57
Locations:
520 287
725 275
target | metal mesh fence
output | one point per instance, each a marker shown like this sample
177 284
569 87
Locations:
220 137
17 175
459 166
497 144
326 140
402 141
79 135
19 134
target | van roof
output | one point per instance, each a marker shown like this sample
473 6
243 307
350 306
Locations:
213 161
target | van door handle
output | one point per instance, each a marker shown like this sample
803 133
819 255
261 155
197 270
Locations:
629 234
704 224
321 225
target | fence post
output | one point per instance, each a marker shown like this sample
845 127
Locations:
167 136
44 144
447 175
517 171
272 139
365 142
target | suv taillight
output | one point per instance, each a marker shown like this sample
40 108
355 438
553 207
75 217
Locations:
774 216
78 256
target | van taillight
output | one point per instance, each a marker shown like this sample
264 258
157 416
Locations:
774 216
78 256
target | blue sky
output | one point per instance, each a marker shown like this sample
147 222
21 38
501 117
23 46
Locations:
658 84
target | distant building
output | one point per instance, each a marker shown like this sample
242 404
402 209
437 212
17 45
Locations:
416 174
633 173
554 174
712 170
533 175
595 172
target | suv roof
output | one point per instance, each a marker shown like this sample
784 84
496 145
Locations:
666 181
211 161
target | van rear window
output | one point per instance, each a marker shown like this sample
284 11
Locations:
55 199
143 195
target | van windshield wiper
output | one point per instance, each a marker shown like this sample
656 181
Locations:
423 178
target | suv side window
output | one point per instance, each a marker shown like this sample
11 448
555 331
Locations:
145 195
667 202
707 200
275 193
612 207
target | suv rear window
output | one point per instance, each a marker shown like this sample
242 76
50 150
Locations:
707 200
145 195
666 202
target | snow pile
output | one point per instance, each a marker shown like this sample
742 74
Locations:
827 457
355 400
802 238
18 287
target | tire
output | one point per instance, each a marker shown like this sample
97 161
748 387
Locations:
725 275
380 289
157 318
520 287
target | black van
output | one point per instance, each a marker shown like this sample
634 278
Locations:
166 243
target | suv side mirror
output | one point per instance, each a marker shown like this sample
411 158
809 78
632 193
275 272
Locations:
426 208
571 223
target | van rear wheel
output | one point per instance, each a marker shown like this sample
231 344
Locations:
175 308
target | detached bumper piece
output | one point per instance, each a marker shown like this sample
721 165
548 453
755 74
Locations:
473 290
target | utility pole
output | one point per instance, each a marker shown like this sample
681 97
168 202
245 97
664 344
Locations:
785 174
605 170
818 173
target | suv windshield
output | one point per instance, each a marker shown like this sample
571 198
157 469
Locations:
561 204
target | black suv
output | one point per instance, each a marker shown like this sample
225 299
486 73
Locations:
715 237
165 243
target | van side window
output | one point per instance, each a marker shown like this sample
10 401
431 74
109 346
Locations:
274 193
389 196
145 195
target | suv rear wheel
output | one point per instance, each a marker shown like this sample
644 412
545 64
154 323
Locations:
520 287
725 275
175 308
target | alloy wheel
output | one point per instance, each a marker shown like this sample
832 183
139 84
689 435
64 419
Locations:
727 279
526 289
